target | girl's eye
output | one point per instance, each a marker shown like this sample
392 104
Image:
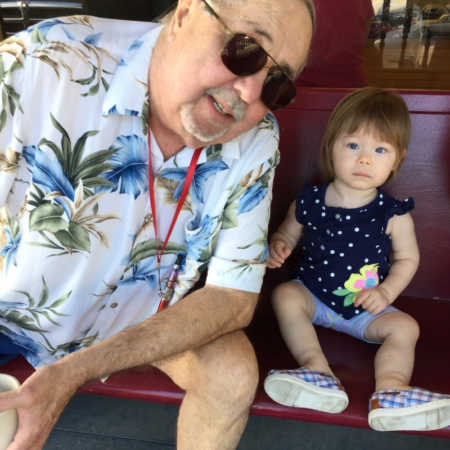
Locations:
352 146
380 150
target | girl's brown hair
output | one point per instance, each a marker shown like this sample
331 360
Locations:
374 109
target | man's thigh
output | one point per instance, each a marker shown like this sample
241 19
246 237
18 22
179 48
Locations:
227 360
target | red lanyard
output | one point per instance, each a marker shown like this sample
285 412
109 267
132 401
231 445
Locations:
184 192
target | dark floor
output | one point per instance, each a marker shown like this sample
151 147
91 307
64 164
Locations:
102 423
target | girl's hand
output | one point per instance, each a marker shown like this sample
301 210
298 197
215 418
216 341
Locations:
373 300
278 252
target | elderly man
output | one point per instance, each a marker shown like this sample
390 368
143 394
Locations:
133 157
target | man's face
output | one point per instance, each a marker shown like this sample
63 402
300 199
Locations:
201 100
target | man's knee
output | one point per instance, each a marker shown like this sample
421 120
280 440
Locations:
227 369
224 370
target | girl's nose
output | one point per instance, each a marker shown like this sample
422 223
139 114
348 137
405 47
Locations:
365 160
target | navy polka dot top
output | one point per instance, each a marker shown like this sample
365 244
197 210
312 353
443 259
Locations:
344 250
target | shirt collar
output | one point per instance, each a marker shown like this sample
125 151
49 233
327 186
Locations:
229 152
128 90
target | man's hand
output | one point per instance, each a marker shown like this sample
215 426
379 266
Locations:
39 403
374 300
278 252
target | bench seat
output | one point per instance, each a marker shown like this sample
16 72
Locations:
351 360
425 176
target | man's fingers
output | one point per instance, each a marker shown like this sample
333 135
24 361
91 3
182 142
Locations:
10 400
28 441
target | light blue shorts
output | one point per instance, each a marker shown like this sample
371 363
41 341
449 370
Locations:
356 326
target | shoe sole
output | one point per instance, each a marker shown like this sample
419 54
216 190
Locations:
429 416
291 391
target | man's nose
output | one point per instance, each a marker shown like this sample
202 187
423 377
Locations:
250 87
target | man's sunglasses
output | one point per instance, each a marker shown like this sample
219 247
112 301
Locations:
243 56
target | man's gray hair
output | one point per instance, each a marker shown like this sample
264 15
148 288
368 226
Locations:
165 17
308 3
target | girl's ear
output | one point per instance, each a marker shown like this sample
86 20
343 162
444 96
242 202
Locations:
401 156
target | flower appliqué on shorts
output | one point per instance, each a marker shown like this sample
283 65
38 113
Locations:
367 278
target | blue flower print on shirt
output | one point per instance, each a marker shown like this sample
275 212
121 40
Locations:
201 237
29 349
136 45
113 110
202 173
45 26
93 39
264 255
269 121
129 172
131 112
9 250
142 271
28 153
47 171
68 34
251 198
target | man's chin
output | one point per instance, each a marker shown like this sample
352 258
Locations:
201 138
202 133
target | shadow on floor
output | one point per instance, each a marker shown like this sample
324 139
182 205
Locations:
102 423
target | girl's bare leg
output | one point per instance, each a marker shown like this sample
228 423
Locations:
294 309
313 385
396 405
394 361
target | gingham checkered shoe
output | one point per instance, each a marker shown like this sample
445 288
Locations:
304 388
409 409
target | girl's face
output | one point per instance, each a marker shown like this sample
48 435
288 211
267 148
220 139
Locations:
363 160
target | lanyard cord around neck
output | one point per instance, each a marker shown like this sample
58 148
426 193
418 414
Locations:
184 192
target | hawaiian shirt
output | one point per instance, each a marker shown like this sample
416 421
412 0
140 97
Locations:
77 244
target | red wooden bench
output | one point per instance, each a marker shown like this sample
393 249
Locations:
425 175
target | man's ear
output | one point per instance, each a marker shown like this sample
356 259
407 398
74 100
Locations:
180 15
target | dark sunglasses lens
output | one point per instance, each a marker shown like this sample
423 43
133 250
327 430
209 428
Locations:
243 55
278 90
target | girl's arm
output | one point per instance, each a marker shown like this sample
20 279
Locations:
404 256
284 240
404 260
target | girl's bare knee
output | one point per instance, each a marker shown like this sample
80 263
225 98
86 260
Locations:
402 326
288 298
411 327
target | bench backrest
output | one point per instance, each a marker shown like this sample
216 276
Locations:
425 174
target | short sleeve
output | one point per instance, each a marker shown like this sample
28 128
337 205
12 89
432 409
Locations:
239 258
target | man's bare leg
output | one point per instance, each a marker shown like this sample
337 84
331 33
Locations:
220 380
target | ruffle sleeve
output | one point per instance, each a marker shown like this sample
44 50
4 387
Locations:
398 207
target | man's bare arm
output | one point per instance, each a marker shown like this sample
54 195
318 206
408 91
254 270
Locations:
199 318
195 320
